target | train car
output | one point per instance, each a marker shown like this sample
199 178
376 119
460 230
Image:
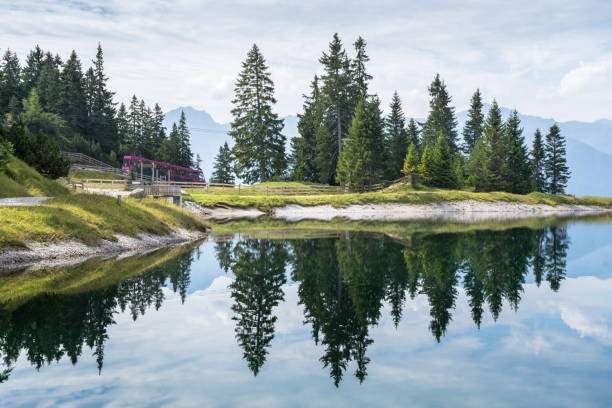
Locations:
160 171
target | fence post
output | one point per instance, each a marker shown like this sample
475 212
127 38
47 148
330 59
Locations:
238 188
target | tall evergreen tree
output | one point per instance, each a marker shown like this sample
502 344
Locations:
413 134
517 168
352 166
443 175
185 157
495 152
360 77
102 119
555 164
259 148
48 83
441 119
72 95
31 71
538 156
223 166
337 96
472 130
397 137
303 155
123 129
10 83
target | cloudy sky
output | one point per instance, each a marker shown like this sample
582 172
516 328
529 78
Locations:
547 58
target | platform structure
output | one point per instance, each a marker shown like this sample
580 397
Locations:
155 171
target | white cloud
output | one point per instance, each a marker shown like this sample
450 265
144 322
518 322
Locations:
575 79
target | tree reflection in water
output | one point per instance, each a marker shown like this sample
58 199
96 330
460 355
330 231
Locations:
343 283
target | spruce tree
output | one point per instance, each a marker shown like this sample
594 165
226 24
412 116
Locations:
31 71
339 108
443 175
259 148
538 156
352 166
185 155
223 166
472 131
413 135
72 105
303 155
48 83
427 166
158 129
397 137
555 164
10 83
102 120
477 166
360 77
411 164
123 129
495 150
441 118
517 167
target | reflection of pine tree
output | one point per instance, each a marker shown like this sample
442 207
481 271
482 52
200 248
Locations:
259 267
557 243
223 253
539 259
397 282
474 288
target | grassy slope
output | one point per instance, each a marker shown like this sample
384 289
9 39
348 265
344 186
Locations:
402 194
17 288
88 174
20 180
88 218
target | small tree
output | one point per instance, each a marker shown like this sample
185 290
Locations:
223 166
426 169
537 163
555 164
411 164
443 164
352 167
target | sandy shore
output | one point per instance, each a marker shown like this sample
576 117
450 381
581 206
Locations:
460 211
71 252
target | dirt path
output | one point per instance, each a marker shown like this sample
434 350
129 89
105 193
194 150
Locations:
22 201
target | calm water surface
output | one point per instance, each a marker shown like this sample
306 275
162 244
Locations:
491 317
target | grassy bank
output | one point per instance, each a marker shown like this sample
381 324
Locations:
21 180
98 175
403 195
89 218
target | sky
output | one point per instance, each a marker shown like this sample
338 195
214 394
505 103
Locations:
546 58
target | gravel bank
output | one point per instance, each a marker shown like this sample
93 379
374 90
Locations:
460 211
70 252
22 201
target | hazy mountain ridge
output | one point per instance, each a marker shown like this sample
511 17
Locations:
589 144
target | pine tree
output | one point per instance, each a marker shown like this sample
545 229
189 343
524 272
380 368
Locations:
185 157
517 169
494 142
352 166
223 166
123 129
427 167
397 137
472 131
339 108
441 118
443 175
538 156
159 131
555 164
72 105
411 164
259 148
135 133
303 156
477 166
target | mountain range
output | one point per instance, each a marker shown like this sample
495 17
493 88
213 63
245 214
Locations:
589 144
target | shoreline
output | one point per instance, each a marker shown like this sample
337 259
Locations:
73 252
458 211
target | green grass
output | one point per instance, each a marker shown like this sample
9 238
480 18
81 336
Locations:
17 287
402 194
21 180
88 174
89 218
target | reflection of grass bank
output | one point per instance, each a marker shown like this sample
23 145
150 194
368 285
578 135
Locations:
89 218
266 227
401 195
18 287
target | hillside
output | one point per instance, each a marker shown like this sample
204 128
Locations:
20 180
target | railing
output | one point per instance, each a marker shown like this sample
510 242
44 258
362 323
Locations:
81 161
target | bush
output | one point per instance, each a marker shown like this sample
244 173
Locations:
6 151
